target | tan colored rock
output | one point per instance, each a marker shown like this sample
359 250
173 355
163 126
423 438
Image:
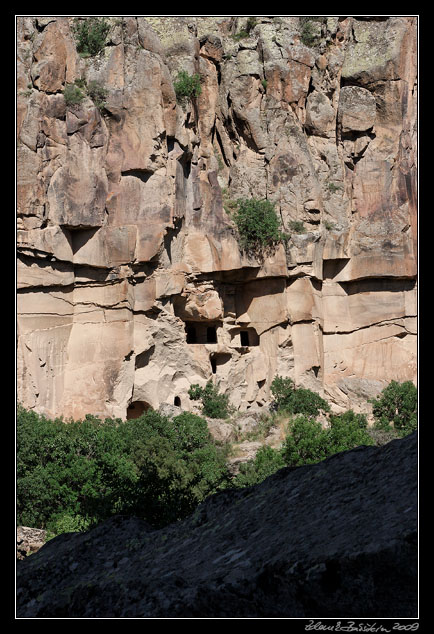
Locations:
49 71
125 237
29 540
357 109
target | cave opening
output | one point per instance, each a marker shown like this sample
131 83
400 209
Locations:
177 401
136 409
200 332
191 333
246 337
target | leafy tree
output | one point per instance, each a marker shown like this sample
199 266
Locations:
214 404
73 475
350 418
90 35
296 400
306 443
396 407
347 431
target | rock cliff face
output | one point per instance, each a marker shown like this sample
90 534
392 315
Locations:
131 282
335 539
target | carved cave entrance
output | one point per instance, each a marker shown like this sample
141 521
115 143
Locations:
199 332
245 337
136 409
217 360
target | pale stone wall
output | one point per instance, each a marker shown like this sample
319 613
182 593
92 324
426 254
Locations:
123 236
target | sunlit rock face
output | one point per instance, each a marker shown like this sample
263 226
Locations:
131 282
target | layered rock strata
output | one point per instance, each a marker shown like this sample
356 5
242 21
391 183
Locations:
335 539
131 282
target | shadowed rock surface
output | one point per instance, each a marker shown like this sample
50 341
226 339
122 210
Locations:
335 539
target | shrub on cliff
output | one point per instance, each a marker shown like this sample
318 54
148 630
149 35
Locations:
187 86
98 94
90 35
73 475
296 400
396 407
73 94
214 404
258 224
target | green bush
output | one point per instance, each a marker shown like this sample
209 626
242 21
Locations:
73 475
347 431
73 95
187 86
308 442
266 462
296 400
396 407
214 404
350 418
90 35
258 224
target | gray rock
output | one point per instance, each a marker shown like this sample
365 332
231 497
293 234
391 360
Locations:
335 538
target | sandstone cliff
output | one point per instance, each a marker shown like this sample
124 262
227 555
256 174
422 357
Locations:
335 539
131 283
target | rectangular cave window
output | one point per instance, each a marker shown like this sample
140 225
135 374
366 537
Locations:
213 364
191 334
177 401
244 337
211 334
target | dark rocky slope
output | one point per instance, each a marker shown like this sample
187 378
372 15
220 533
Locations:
335 539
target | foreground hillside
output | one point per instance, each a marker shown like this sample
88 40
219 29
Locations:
337 538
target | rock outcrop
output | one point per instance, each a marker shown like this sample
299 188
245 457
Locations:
335 539
131 282
29 540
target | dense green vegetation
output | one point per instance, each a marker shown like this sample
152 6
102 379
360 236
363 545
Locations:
76 92
73 94
187 86
258 224
90 35
294 400
72 475
214 404
396 407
